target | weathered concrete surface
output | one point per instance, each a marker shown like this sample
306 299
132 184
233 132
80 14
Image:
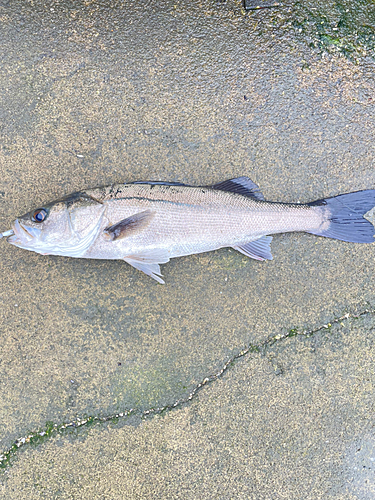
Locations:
293 421
93 94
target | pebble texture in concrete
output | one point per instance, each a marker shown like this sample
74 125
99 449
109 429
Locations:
94 93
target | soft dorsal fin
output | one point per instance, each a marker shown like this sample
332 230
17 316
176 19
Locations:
257 249
129 225
240 185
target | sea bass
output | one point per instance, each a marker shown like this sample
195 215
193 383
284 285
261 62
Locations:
147 223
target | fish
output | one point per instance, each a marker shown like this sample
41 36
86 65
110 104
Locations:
147 223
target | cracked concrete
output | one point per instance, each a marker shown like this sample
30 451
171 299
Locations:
92 94
253 430
53 429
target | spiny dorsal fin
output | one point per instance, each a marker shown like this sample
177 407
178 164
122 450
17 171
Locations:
129 225
258 249
240 185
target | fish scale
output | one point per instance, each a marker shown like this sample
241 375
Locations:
203 213
148 223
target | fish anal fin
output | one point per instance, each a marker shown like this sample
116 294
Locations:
148 262
129 226
258 249
240 185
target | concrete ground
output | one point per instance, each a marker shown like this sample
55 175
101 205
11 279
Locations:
236 379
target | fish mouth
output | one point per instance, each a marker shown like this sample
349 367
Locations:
19 235
5 234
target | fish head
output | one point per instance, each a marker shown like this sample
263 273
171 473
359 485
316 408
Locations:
63 227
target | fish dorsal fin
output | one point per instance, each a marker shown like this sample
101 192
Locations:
148 262
258 249
129 225
240 185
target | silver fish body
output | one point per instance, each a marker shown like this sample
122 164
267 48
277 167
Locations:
146 224
189 220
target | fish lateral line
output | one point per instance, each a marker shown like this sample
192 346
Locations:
190 220
151 200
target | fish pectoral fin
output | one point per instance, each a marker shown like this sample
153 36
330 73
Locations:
240 185
148 262
130 225
257 249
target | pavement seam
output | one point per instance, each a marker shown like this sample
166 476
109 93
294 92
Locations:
52 429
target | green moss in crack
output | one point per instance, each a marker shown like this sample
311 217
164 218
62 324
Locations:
39 437
293 332
32 438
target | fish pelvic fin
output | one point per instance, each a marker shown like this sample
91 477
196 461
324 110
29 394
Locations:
129 226
258 249
344 218
148 262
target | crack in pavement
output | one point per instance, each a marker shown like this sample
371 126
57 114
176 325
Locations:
52 429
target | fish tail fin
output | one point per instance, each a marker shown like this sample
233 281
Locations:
345 217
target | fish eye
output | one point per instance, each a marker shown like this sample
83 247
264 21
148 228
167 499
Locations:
39 215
